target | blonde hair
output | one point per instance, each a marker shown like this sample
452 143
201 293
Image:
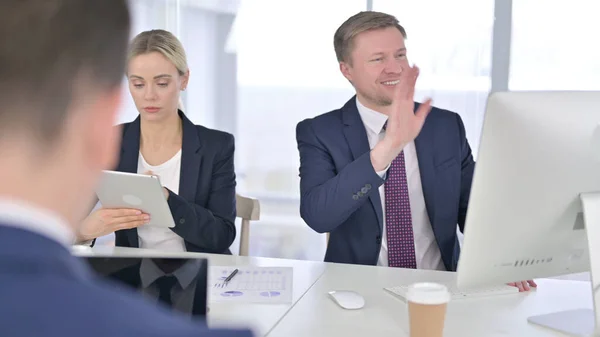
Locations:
364 21
160 41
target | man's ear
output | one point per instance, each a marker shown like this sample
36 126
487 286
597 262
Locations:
345 68
104 138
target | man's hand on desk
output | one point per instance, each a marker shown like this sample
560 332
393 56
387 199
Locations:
524 285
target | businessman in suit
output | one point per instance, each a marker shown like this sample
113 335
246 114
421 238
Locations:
61 70
388 178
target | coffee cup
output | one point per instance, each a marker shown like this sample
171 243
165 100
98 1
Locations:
427 303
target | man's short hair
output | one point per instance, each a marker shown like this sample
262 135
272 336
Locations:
343 38
52 52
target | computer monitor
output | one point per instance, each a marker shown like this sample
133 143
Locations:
175 282
535 194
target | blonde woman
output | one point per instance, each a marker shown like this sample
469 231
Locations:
194 163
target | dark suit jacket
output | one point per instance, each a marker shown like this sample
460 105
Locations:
47 292
205 209
339 186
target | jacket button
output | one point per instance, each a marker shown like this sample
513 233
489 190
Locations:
364 189
355 197
378 240
182 221
368 186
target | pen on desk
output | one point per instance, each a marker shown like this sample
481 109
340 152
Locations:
231 276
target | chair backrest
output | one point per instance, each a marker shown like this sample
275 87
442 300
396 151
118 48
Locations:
248 210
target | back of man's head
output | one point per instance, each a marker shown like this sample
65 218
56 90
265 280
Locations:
61 68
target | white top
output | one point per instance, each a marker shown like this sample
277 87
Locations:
47 223
427 251
152 237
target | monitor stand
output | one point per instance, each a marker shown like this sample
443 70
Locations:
581 322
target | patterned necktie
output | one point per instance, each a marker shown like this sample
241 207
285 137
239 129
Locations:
398 218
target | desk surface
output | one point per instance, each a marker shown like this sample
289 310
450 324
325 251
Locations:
386 315
312 313
260 317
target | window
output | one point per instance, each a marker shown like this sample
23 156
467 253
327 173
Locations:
257 68
451 43
554 45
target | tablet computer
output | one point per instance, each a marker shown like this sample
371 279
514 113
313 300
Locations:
137 191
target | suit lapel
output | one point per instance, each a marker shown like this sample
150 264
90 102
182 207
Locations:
425 147
130 152
130 147
356 136
190 159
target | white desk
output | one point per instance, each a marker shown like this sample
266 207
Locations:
260 317
386 315
312 313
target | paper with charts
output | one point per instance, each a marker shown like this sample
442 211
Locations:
251 284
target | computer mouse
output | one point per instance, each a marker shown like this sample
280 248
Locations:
347 299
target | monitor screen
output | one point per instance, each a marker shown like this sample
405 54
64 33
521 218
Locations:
178 283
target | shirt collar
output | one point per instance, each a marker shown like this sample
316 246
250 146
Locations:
23 215
185 275
372 119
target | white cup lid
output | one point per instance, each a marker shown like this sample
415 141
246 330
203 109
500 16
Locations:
428 293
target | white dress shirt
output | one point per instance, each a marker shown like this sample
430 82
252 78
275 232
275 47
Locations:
427 252
162 238
44 222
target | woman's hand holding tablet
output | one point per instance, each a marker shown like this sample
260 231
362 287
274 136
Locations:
106 220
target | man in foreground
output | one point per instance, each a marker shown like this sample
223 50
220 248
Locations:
61 66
